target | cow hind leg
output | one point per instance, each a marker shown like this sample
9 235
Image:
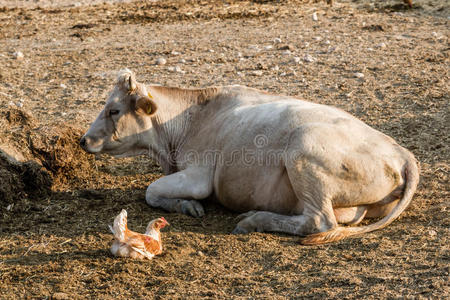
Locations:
264 221
317 214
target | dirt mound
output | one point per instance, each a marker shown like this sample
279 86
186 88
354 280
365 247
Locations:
58 150
35 158
22 179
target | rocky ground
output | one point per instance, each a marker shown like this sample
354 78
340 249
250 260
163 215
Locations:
379 60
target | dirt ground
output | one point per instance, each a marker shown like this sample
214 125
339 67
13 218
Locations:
384 63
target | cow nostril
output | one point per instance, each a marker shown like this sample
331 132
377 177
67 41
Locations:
83 142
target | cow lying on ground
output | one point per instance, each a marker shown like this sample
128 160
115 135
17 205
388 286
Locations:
293 166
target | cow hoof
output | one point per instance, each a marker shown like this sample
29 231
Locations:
245 215
239 230
193 208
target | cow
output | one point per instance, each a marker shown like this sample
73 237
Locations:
288 165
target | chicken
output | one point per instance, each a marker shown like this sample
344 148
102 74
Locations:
136 245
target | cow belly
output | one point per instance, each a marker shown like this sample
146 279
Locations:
264 188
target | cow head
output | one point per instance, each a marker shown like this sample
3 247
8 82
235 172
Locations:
124 121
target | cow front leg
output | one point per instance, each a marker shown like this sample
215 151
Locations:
178 192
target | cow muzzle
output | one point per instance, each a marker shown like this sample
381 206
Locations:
87 143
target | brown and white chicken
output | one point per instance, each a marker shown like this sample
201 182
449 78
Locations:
136 245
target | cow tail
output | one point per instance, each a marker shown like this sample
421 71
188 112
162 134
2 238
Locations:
338 233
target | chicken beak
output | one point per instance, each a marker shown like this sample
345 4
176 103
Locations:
165 223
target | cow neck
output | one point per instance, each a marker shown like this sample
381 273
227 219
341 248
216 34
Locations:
172 121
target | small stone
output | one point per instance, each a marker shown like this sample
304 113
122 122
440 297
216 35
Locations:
9 207
257 73
268 47
182 61
381 46
286 52
296 60
277 40
314 17
171 69
370 49
359 75
253 47
211 51
19 104
275 68
434 33
18 55
200 253
317 38
432 232
309 58
175 52
63 86
306 44
160 61
239 54
178 69
327 42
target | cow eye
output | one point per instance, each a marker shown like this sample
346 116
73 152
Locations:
113 112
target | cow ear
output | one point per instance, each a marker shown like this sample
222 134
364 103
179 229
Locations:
146 105
127 80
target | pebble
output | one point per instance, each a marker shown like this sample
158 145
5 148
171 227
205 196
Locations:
63 86
175 52
257 73
432 232
200 253
9 207
182 61
314 17
268 47
211 51
239 54
161 61
296 60
317 38
359 75
309 58
18 55
327 42
286 52
275 68
277 40
370 49
381 45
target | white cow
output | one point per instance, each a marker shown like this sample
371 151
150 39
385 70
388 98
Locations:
293 166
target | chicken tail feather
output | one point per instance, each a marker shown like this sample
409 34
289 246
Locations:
119 227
